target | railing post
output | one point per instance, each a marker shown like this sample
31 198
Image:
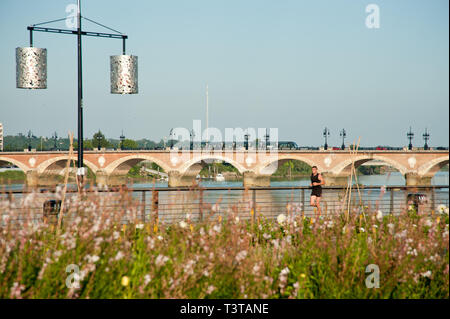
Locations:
155 202
200 204
391 204
254 204
302 194
433 199
143 206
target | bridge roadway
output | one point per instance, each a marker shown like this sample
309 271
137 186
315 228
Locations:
256 166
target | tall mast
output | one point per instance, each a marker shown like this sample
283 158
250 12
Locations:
207 105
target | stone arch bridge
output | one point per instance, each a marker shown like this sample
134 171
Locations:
418 167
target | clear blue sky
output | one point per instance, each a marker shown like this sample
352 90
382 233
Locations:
295 65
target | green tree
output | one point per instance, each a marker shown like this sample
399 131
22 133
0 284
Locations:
99 139
128 144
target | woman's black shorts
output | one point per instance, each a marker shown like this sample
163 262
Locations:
316 192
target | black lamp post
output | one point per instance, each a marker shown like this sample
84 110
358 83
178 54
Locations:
29 140
343 134
191 144
234 143
326 133
171 138
122 138
426 137
55 137
410 136
267 136
99 139
246 141
32 69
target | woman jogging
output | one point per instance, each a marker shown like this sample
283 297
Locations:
316 184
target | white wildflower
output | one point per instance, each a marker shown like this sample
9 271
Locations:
380 216
119 256
241 256
183 224
161 260
281 219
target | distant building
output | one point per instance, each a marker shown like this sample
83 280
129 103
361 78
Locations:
1 137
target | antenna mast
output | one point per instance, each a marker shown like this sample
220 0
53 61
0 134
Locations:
207 105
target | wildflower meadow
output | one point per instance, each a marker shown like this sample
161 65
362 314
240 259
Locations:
106 251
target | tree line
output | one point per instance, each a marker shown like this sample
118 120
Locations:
20 142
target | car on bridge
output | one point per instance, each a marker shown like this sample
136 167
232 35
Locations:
287 145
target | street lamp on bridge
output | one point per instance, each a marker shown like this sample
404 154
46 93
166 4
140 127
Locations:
343 134
31 69
55 138
191 143
326 134
267 136
171 138
122 139
426 137
246 141
29 140
410 136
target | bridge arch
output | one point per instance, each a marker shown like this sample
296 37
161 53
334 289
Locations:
124 164
192 166
46 165
432 167
269 167
22 166
344 168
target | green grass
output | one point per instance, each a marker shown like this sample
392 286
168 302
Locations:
11 176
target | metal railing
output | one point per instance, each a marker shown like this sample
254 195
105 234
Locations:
200 203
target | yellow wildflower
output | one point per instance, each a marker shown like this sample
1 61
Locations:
125 281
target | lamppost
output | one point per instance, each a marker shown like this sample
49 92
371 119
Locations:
55 137
31 70
99 139
191 144
410 136
343 134
267 136
234 143
426 137
122 138
326 134
29 140
171 138
246 141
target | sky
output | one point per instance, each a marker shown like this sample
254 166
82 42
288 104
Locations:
297 66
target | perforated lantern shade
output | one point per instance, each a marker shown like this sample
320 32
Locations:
124 74
31 68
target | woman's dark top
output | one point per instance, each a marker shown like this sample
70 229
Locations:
317 189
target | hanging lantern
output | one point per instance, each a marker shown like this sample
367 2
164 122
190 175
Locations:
124 74
31 68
